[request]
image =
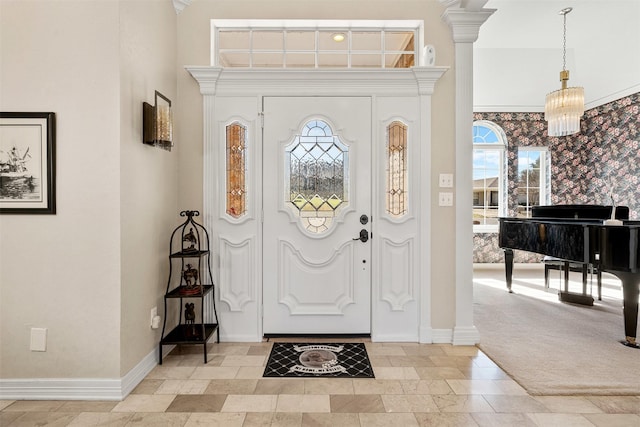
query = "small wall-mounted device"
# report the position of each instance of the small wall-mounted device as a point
(157, 123)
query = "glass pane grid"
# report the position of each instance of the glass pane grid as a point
(396, 49)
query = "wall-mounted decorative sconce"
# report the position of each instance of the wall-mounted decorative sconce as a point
(157, 123)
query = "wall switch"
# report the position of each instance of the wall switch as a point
(154, 314)
(445, 199)
(446, 180)
(38, 339)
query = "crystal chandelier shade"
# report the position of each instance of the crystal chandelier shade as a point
(563, 108)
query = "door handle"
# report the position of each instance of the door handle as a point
(364, 236)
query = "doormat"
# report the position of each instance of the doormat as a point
(348, 360)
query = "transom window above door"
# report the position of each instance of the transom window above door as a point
(316, 44)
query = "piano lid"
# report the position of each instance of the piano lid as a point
(579, 211)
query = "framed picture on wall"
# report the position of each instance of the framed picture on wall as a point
(27, 163)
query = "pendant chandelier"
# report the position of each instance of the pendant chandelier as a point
(563, 108)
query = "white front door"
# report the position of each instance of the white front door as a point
(316, 205)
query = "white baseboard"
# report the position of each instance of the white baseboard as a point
(467, 335)
(393, 338)
(441, 336)
(78, 388)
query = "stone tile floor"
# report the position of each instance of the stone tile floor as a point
(415, 385)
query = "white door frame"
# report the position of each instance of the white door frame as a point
(240, 292)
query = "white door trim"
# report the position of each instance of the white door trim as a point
(250, 86)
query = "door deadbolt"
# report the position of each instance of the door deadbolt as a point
(364, 219)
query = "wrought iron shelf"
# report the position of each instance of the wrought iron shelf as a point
(188, 334)
(189, 254)
(179, 292)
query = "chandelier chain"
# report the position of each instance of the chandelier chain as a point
(564, 43)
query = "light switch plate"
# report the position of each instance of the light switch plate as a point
(446, 180)
(445, 199)
(38, 339)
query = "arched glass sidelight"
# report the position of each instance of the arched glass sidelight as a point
(236, 147)
(396, 170)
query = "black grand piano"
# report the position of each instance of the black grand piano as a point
(576, 233)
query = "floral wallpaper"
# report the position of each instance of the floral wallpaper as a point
(605, 151)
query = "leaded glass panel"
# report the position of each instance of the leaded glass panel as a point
(396, 170)
(236, 169)
(316, 179)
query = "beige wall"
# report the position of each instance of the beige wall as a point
(91, 273)
(194, 49)
(149, 175)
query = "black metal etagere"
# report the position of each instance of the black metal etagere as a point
(189, 248)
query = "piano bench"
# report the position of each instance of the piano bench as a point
(551, 263)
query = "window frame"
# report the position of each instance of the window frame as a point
(501, 146)
(545, 176)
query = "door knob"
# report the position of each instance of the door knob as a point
(364, 236)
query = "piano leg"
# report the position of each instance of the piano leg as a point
(508, 267)
(630, 287)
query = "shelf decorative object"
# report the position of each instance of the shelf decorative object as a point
(189, 250)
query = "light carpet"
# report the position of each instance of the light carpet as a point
(554, 348)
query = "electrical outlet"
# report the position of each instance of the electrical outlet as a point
(154, 313)
(445, 199)
(446, 180)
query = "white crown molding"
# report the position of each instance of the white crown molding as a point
(390, 82)
(179, 5)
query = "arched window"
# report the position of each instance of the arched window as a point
(489, 175)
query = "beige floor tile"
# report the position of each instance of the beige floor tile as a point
(34, 406)
(568, 404)
(244, 361)
(303, 403)
(614, 420)
(197, 403)
(378, 349)
(446, 420)
(246, 403)
(171, 372)
(385, 420)
(216, 419)
(502, 403)
(426, 387)
(280, 386)
(87, 406)
(231, 387)
(462, 403)
(183, 387)
(273, 419)
(460, 362)
(330, 420)
(560, 420)
(462, 350)
(376, 386)
(509, 387)
(482, 361)
(250, 372)
(148, 386)
(212, 360)
(502, 420)
(409, 403)
(380, 360)
(475, 372)
(328, 386)
(164, 419)
(260, 350)
(410, 361)
(214, 373)
(7, 418)
(424, 350)
(440, 373)
(393, 373)
(144, 403)
(49, 419)
(111, 419)
(5, 403)
(356, 403)
(228, 349)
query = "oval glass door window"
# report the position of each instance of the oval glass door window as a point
(316, 176)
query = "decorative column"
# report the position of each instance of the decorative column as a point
(465, 23)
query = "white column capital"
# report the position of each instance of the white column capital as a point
(465, 25)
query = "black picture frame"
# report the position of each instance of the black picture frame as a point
(27, 163)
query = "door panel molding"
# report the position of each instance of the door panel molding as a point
(234, 259)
